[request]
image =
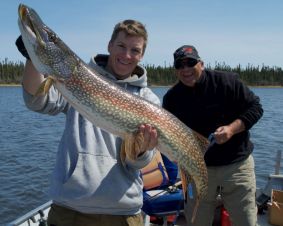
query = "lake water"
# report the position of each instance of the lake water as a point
(28, 145)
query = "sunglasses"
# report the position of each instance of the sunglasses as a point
(189, 63)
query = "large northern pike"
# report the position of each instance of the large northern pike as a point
(107, 105)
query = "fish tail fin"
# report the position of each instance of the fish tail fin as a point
(184, 180)
(195, 210)
(187, 188)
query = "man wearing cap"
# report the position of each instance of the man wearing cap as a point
(218, 105)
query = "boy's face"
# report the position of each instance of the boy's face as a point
(125, 53)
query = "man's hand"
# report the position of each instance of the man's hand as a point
(224, 133)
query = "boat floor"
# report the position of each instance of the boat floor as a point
(262, 220)
(33, 217)
(181, 221)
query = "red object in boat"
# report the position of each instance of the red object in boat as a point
(225, 220)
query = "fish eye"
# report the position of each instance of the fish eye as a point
(52, 37)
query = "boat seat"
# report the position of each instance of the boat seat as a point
(163, 203)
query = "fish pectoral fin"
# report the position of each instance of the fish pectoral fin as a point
(44, 86)
(123, 152)
(202, 141)
(138, 144)
(132, 145)
(127, 148)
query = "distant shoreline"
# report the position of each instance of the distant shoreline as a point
(153, 86)
(10, 85)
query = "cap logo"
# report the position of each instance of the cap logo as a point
(188, 50)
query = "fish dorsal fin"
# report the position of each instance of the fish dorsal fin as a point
(202, 141)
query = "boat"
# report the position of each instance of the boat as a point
(38, 216)
(35, 217)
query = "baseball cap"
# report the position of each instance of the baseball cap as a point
(186, 51)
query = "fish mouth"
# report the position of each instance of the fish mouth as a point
(32, 24)
(22, 11)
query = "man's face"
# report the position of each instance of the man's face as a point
(189, 72)
(125, 53)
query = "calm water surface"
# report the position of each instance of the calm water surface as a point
(28, 145)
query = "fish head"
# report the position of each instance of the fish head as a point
(49, 54)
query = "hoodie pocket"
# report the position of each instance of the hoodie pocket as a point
(99, 180)
(87, 175)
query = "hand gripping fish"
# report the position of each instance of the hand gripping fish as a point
(109, 106)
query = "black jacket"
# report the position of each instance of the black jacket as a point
(217, 99)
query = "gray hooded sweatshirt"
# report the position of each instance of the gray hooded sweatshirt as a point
(88, 175)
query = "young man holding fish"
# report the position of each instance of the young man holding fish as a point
(218, 105)
(91, 185)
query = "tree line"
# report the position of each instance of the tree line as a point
(251, 75)
(11, 73)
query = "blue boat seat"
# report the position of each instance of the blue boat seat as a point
(166, 200)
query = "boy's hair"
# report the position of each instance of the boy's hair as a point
(131, 28)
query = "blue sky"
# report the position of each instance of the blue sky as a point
(242, 31)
